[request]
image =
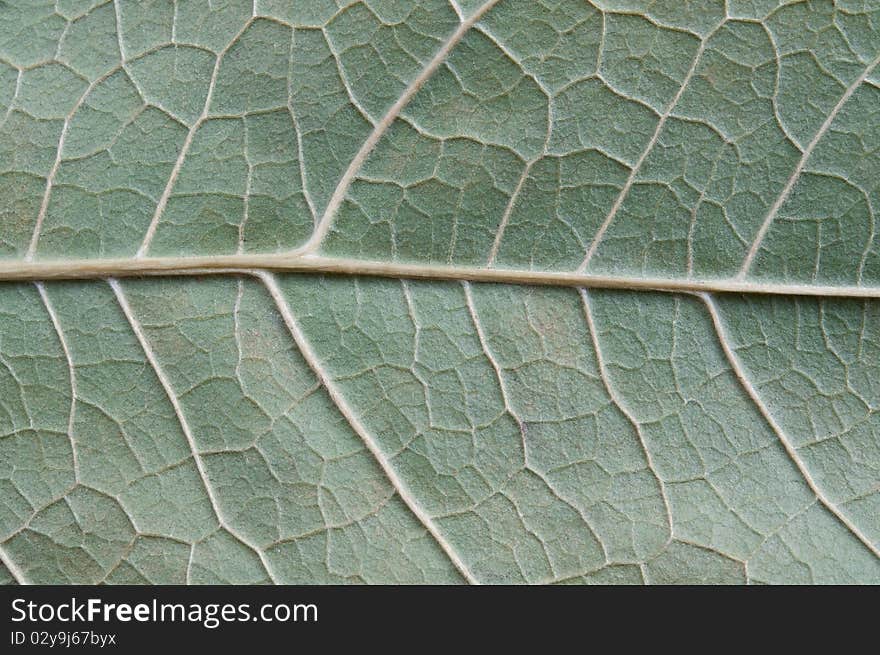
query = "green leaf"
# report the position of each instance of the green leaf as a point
(440, 291)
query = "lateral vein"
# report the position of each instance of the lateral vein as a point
(339, 401)
(623, 407)
(184, 424)
(799, 168)
(71, 416)
(508, 407)
(255, 264)
(749, 388)
(655, 138)
(382, 126)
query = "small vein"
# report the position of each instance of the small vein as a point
(749, 388)
(457, 9)
(338, 399)
(187, 143)
(349, 91)
(802, 162)
(774, 100)
(248, 184)
(502, 385)
(382, 126)
(189, 563)
(655, 137)
(56, 164)
(184, 424)
(299, 142)
(117, 10)
(508, 210)
(508, 406)
(56, 323)
(621, 405)
(514, 196)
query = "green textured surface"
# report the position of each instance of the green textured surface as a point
(305, 429)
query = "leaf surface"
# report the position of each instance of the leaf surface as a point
(458, 418)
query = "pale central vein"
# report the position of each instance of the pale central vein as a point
(314, 264)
